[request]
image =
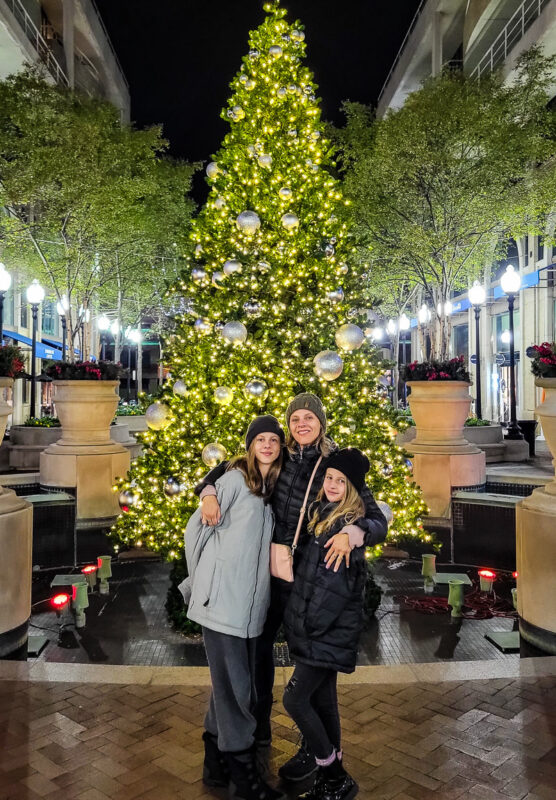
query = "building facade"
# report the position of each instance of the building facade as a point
(69, 39)
(479, 36)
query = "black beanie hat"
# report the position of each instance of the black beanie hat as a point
(264, 424)
(353, 463)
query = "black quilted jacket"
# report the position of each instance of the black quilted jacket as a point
(289, 492)
(324, 615)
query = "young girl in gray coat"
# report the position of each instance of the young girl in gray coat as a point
(229, 572)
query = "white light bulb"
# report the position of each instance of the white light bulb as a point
(35, 293)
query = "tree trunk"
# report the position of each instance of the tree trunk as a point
(396, 368)
(139, 371)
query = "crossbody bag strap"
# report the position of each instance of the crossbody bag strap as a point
(304, 506)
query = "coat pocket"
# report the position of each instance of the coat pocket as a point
(214, 585)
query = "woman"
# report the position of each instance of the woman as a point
(306, 443)
(229, 578)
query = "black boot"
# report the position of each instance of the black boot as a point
(335, 784)
(215, 767)
(300, 766)
(246, 782)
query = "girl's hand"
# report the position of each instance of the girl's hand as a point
(210, 510)
(339, 549)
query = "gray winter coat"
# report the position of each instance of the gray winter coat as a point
(229, 565)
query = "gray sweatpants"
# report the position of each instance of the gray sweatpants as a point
(232, 700)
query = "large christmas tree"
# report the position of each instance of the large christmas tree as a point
(270, 304)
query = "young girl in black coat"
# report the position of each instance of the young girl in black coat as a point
(323, 622)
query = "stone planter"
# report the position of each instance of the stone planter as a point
(489, 438)
(443, 459)
(440, 409)
(16, 546)
(86, 457)
(120, 433)
(27, 444)
(536, 543)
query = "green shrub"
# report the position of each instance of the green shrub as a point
(42, 422)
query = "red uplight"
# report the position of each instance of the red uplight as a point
(516, 574)
(60, 600)
(87, 570)
(487, 573)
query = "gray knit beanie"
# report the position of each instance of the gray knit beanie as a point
(312, 403)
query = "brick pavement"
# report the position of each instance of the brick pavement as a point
(491, 739)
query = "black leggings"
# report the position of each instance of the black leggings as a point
(311, 700)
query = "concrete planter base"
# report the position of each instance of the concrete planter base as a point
(27, 444)
(488, 438)
(120, 433)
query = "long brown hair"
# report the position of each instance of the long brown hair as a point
(247, 463)
(351, 507)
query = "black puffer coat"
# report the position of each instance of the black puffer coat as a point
(324, 615)
(289, 492)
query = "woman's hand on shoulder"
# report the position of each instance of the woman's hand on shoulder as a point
(210, 510)
(338, 547)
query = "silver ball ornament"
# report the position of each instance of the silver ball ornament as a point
(275, 51)
(234, 332)
(253, 54)
(223, 395)
(252, 308)
(248, 222)
(218, 327)
(173, 487)
(237, 113)
(263, 266)
(213, 170)
(250, 85)
(180, 388)
(292, 88)
(219, 203)
(213, 454)
(349, 337)
(286, 37)
(265, 161)
(217, 278)
(336, 295)
(328, 365)
(256, 389)
(285, 193)
(231, 266)
(290, 221)
(298, 36)
(343, 267)
(243, 78)
(157, 416)
(386, 510)
(127, 499)
(292, 133)
(198, 250)
(329, 250)
(282, 92)
(409, 464)
(198, 274)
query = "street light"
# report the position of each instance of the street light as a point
(391, 327)
(35, 296)
(477, 297)
(5, 283)
(424, 315)
(61, 307)
(103, 324)
(377, 334)
(511, 284)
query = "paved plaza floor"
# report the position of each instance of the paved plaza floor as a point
(483, 730)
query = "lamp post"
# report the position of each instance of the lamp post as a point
(511, 283)
(424, 317)
(61, 307)
(35, 296)
(5, 283)
(103, 324)
(477, 297)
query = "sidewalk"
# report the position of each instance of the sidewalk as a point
(485, 730)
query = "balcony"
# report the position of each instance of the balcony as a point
(37, 40)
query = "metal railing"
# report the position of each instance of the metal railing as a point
(402, 47)
(509, 36)
(103, 26)
(38, 41)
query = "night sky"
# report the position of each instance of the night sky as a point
(179, 57)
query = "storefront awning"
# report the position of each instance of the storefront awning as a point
(42, 350)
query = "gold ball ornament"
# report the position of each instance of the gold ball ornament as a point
(265, 161)
(223, 395)
(213, 454)
(180, 388)
(234, 332)
(298, 36)
(275, 51)
(285, 193)
(213, 170)
(158, 416)
(328, 365)
(290, 221)
(349, 337)
(231, 266)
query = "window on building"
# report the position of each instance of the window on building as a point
(501, 332)
(23, 315)
(9, 308)
(460, 340)
(526, 251)
(512, 257)
(540, 249)
(49, 317)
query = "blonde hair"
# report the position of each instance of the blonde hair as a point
(323, 443)
(351, 507)
(247, 464)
